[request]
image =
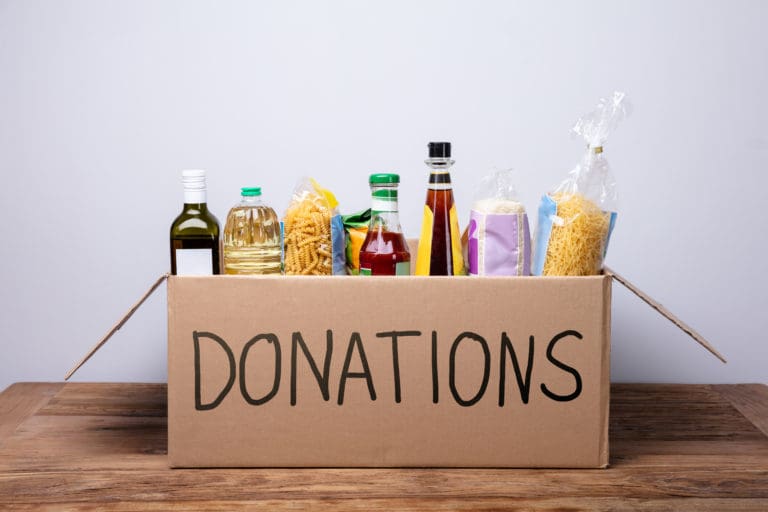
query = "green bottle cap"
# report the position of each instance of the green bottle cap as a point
(384, 179)
(250, 191)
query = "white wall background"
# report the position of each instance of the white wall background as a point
(103, 103)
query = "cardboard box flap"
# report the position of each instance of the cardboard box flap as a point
(117, 326)
(687, 329)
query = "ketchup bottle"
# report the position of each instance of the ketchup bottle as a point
(384, 251)
(440, 241)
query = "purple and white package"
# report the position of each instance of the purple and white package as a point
(499, 237)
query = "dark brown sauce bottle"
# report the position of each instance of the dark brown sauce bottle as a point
(440, 241)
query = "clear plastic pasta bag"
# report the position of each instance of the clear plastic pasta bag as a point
(499, 238)
(575, 221)
(314, 232)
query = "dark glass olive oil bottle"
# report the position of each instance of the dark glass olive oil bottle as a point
(195, 232)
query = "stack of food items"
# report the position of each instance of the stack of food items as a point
(575, 222)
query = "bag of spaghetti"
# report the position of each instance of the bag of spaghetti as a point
(314, 233)
(499, 239)
(576, 220)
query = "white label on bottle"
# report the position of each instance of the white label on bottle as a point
(194, 262)
(383, 205)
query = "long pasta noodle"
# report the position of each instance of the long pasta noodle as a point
(577, 240)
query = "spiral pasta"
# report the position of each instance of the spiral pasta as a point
(308, 236)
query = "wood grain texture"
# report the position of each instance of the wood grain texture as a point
(751, 400)
(432, 505)
(103, 446)
(398, 504)
(20, 401)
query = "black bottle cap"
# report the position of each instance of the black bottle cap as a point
(439, 149)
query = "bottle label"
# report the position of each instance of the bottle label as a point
(402, 268)
(424, 255)
(425, 243)
(440, 180)
(194, 262)
(379, 205)
(456, 249)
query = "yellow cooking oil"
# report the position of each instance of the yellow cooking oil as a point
(252, 242)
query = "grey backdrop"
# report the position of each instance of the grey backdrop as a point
(103, 103)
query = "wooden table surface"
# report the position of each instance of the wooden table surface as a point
(102, 447)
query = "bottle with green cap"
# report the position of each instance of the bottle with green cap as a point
(384, 251)
(252, 242)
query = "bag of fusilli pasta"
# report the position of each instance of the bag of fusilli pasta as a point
(576, 220)
(314, 233)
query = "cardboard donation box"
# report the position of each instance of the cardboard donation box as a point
(280, 371)
(414, 371)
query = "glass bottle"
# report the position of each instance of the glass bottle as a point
(252, 236)
(195, 232)
(384, 251)
(439, 252)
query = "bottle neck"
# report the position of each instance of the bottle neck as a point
(384, 211)
(439, 175)
(250, 200)
(194, 195)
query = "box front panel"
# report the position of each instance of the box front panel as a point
(494, 372)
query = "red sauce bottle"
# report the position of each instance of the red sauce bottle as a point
(384, 251)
